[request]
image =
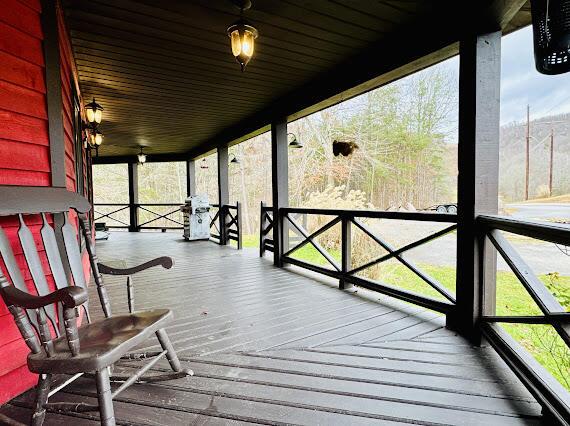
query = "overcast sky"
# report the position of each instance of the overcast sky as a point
(521, 84)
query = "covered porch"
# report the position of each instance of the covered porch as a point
(271, 337)
(273, 345)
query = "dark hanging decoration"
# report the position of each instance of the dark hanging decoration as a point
(551, 29)
(343, 148)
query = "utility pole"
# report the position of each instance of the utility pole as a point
(527, 159)
(551, 168)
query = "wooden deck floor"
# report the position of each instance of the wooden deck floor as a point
(274, 346)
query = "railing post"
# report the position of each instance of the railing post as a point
(133, 197)
(223, 192)
(478, 164)
(346, 249)
(238, 225)
(280, 187)
(261, 228)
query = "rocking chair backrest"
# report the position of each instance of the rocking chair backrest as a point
(38, 206)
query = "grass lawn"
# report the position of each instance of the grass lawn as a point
(541, 341)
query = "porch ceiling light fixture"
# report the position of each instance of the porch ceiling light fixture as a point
(94, 113)
(235, 160)
(203, 164)
(141, 157)
(94, 139)
(242, 35)
(293, 142)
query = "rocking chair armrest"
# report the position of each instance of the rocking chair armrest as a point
(70, 297)
(164, 261)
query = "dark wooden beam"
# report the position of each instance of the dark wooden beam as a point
(280, 186)
(151, 158)
(223, 191)
(478, 163)
(190, 177)
(50, 29)
(133, 197)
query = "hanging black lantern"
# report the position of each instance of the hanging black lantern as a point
(242, 36)
(551, 30)
(94, 113)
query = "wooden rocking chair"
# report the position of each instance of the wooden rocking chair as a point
(48, 321)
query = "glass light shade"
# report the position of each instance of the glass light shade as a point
(242, 37)
(247, 44)
(236, 42)
(94, 112)
(90, 115)
(142, 158)
(98, 139)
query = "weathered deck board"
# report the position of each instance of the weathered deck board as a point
(278, 346)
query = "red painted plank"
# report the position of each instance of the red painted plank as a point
(20, 16)
(21, 44)
(24, 177)
(23, 128)
(13, 353)
(22, 73)
(16, 382)
(24, 156)
(24, 101)
(33, 4)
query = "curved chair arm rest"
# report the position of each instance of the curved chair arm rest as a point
(164, 261)
(70, 297)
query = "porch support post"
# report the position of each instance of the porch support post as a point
(50, 30)
(280, 187)
(133, 197)
(190, 178)
(223, 191)
(478, 163)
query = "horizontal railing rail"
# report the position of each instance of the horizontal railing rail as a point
(548, 391)
(123, 222)
(170, 222)
(344, 272)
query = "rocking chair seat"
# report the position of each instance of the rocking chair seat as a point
(102, 343)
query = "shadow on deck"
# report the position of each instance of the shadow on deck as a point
(275, 346)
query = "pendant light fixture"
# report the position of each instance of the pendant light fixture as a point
(242, 35)
(234, 160)
(141, 157)
(203, 164)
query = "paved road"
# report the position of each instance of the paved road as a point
(540, 211)
(542, 257)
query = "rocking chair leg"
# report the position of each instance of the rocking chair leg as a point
(105, 399)
(42, 393)
(171, 353)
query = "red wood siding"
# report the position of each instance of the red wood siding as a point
(25, 152)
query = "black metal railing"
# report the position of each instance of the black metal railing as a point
(265, 229)
(344, 271)
(215, 233)
(548, 391)
(116, 213)
(161, 216)
(225, 224)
